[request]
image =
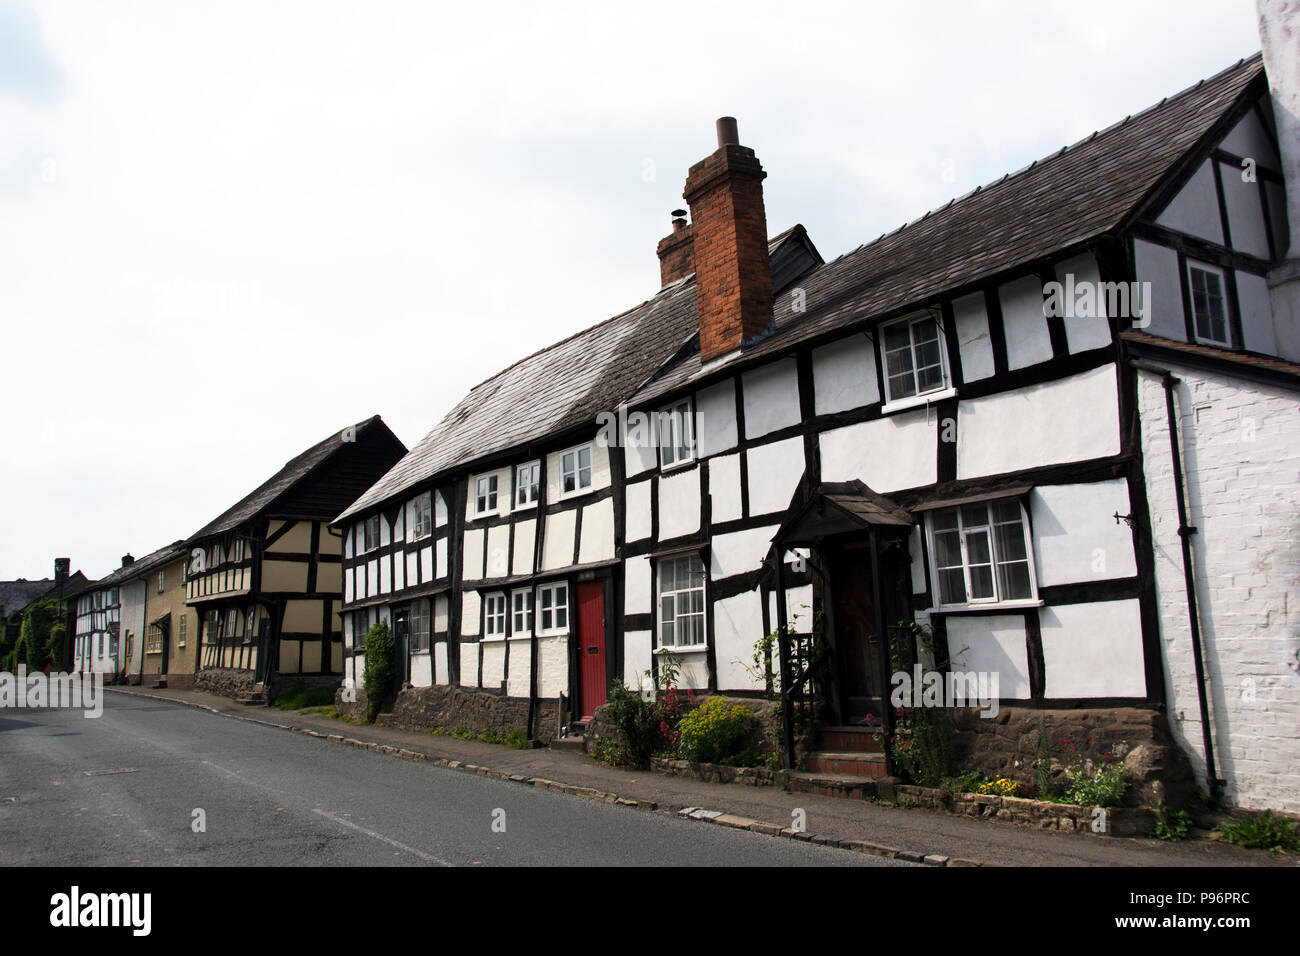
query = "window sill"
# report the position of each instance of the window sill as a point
(683, 649)
(494, 639)
(576, 494)
(677, 465)
(563, 633)
(917, 401)
(990, 606)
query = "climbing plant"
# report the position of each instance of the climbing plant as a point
(380, 669)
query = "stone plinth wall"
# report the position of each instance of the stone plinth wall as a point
(1008, 745)
(1041, 814)
(449, 708)
(714, 772)
(227, 682)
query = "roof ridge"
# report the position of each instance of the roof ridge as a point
(1057, 154)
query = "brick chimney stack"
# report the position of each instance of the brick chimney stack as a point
(733, 276)
(62, 568)
(677, 251)
(127, 560)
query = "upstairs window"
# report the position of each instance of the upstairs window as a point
(486, 495)
(422, 516)
(981, 553)
(575, 470)
(160, 581)
(419, 626)
(521, 613)
(527, 484)
(681, 602)
(912, 355)
(676, 435)
(367, 535)
(1209, 311)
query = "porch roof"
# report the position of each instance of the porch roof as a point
(837, 507)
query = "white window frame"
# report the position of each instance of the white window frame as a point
(996, 600)
(486, 503)
(556, 609)
(495, 614)
(181, 628)
(422, 520)
(943, 390)
(523, 608)
(161, 579)
(360, 628)
(668, 443)
(1220, 275)
(578, 487)
(416, 611)
(676, 593)
(528, 479)
(363, 544)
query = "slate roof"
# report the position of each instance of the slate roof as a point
(279, 484)
(566, 384)
(1078, 193)
(16, 595)
(141, 566)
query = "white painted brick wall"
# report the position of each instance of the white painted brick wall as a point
(1241, 456)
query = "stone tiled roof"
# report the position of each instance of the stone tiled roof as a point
(1077, 194)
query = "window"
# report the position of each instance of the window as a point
(981, 553)
(912, 357)
(521, 613)
(681, 602)
(360, 628)
(676, 435)
(180, 631)
(251, 627)
(153, 641)
(160, 581)
(1209, 313)
(367, 535)
(232, 622)
(575, 470)
(422, 515)
(486, 497)
(527, 480)
(553, 609)
(419, 626)
(494, 615)
(239, 549)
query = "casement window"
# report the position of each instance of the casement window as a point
(681, 602)
(161, 579)
(575, 470)
(494, 615)
(367, 535)
(912, 354)
(419, 624)
(527, 481)
(422, 516)
(181, 627)
(1209, 304)
(360, 628)
(153, 640)
(553, 609)
(239, 549)
(232, 623)
(981, 554)
(485, 499)
(521, 613)
(676, 435)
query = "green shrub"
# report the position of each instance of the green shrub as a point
(1261, 832)
(1170, 824)
(301, 697)
(715, 732)
(380, 669)
(1104, 786)
(54, 647)
(635, 724)
(922, 749)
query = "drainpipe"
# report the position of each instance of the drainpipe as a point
(1185, 532)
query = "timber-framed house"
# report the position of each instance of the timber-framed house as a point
(264, 577)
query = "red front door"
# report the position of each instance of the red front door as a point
(591, 645)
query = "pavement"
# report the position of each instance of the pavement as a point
(905, 834)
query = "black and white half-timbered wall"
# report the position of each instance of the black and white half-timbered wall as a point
(947, 425)
(265, 578)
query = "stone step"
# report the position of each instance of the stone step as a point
(578, 744)
(857, 739)
(836, 785)
(847, 763)
(160, 684)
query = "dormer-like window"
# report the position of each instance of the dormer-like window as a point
(485, 500)
(422, 515)
(575, 470)
(527, 481)
(1209, 311)
(676, 435)
(912, 356)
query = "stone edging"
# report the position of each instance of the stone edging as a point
(714, 772)
(1042, 814)
(719, 817)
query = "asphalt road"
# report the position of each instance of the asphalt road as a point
(128, 787)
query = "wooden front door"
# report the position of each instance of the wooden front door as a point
(401, 647)
(857, 643)
(591, 645)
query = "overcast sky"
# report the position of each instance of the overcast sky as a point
(229, 229)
